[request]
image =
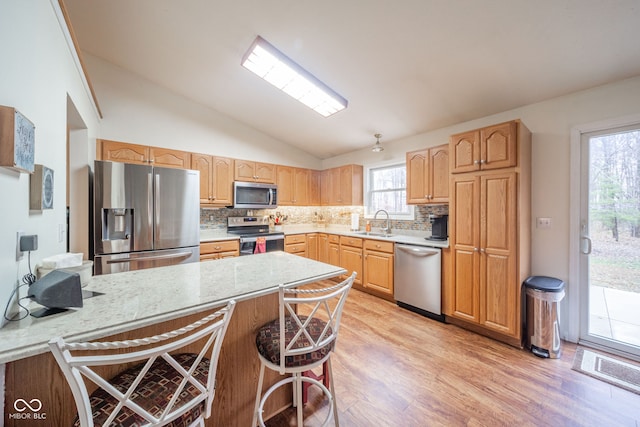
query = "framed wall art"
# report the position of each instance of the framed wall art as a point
(17, 140)
(41, 191)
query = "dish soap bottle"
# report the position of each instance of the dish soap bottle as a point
(368, 227)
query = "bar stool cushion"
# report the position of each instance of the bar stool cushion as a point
(268, 341)
(152, 393)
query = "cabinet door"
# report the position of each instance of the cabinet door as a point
(499, 286)
(351, 260)
(378, 272)
(326, 188)
(244, 171)
(122, 152)
(323, 248)
(301, 186)
(439, 174)
(284, 179)
(265, 172)
(222, 181)
(498, 146)
(334, 254)
(315, 181)
(170, 158)
(204, 164)
(335, 197)
(417, 165)
(464, 221)
(312, 246)
(464, 150)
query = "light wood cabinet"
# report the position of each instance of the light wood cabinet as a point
(492, 147)
(168, 158)
(343, 186)
(216, 179)
(315, 188)
(378, 268)
(351, 257)
(490, 237)
(312, 246)
(246, 170)
(116, 151)
(334, 249)
(428, 175)
(293, 186)
(219, 249)
(323, 248)
(296, 244)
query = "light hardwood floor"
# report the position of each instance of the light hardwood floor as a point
(396, 368)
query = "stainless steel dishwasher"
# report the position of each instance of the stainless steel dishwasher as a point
(417, 285)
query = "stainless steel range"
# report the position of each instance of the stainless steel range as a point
(252, 229)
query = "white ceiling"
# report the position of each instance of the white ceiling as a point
(406, 66)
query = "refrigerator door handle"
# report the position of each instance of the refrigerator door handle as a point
(150, 208)
(184, 255)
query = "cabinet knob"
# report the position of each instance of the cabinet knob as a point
(482, 161)
(482, 250)
(475, 249)
(475, 162)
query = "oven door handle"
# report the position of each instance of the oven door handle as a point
(254, 239)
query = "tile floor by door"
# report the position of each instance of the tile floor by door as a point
(615, 314)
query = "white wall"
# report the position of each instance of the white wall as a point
(37, 76)
(138, 111)
(551, 123)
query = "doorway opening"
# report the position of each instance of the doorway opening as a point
(610, 239)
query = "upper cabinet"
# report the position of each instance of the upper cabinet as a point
(428, 176)
(493, 147)
(116, 151)
(293, 186)
(246, 170)
(343, 186)
(216, 179)
(315, 185)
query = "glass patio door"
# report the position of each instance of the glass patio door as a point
(610, 239)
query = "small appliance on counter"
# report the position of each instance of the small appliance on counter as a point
(439, 227)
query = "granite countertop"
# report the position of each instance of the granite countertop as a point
(139, 298)
(398, 236)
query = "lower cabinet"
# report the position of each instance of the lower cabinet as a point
(333, 250)
(220, 249)
(351, 258)
(378, 268)
(296, 244)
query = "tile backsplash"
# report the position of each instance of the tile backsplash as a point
(216, 219)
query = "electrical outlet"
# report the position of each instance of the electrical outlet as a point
(19, 253)
(544, 223)
(62, 228)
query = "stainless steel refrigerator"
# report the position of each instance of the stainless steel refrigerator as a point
(144, 216)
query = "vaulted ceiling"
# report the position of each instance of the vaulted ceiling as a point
(405, 66)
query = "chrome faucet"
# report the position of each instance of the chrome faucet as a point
(387, 229)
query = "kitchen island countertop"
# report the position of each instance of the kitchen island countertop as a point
(139, 298)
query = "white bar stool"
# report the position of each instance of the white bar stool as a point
(167, 388)
(302, 338)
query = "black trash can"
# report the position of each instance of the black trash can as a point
(542, 328)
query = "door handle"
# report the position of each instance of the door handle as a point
(587, 240)
(149, 258)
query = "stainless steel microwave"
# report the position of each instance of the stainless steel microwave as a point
(254, 195)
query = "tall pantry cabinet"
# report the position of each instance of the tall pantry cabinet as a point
(490, 228)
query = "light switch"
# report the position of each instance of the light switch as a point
(543, 223)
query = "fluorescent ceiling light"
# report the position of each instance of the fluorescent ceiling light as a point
(278, 69)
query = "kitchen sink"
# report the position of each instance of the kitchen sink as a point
(373, 234)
